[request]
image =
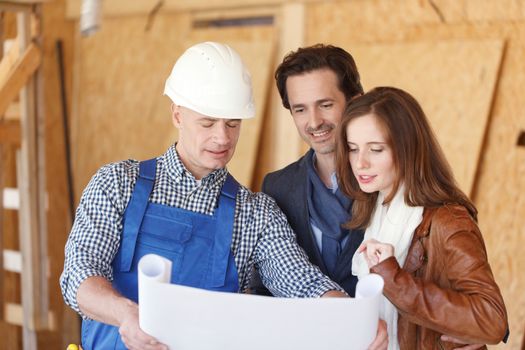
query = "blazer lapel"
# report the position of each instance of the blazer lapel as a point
(305, 235)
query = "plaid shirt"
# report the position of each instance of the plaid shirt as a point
(261, 234)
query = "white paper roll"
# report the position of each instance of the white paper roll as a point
(153, 267)
(369, 286)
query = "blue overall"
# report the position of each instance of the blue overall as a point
(197, 244)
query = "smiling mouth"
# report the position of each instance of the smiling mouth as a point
(366, 178)
(321, 133)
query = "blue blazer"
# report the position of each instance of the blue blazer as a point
(288, 187)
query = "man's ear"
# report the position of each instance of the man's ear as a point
(176, 115)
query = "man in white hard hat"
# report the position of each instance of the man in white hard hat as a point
(185, 206)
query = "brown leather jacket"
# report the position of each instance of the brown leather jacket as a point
(446, 285)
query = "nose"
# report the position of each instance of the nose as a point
(362, 161)
(314, 119)
(221, 135)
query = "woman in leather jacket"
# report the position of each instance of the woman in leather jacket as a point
(421, 232)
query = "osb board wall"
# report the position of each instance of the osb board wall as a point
(120, 111)
(500, 184)
(471, 69)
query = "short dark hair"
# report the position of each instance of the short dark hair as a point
(319, 56)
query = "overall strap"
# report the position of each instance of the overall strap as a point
(223, 237)
(135, 211)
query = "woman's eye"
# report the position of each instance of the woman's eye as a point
(327, 105)
(352, 150)
(377, 150)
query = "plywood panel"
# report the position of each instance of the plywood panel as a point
(442, 76)
(500, 191)
(364, 19)
(256, 47)
(500, 184)
(120, 111)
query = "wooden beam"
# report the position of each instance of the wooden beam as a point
(30, 179)
(10, 198)
(12, 260)
(14, 314)
(10, 132)
(26, 2)
(2, 229)
(9, 60)
(114, 8)
(15, 6)
(288, 145)
(18, 76)
(13, 112)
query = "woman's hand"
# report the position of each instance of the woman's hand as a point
(375, 251)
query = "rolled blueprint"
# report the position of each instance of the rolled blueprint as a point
(187, 318)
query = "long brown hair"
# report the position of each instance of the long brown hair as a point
(419, 161)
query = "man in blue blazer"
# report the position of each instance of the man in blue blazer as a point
(315, 84)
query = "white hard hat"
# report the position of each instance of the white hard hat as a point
(210, 78)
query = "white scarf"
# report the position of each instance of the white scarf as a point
(395, 224)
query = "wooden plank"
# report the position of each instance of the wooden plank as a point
(28, 2)
(41, 257)
(113, 8)
(32, 234)
(2, 211)
(281, 144)
(19, 75)
(14, 314)
(10, 282)
(13, 6)
(12, 260)
(13, 112)
(55, 27)
(9, 59)
(292, 24)
(241, 12)
(10, 198)
(10, 132)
